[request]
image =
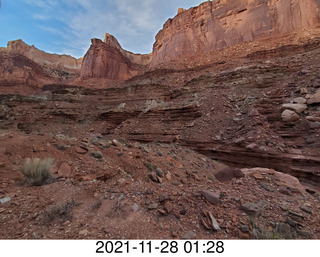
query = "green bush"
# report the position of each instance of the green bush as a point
(37, 171)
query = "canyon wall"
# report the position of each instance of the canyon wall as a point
(106, 59)
(217, 24)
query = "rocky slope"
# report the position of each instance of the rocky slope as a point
(217, 24)
(258, 109)
(108, 60)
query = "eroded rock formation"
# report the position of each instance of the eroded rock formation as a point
(65, 62)
(24, 68)
(217, 24)
(106, 59)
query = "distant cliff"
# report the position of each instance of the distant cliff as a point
(66, 62)
(24, 68)
(108, 60)
(217, 24)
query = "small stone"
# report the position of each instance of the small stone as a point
(267, 187)
(81, 150)
(64, 170)
(252, 147)
(162, 212)
(174, 234)
(97, 155)
(211, 197)
(298, 108)
(315, 99)
(243, 235)
(284, 190)
(66, 223)
(304, 90)
(153, 176)
(292, 222)
(284, 231)
(304, 233)
(153, 206)
(189, 235)
(297, 214)
(258, 176)
(306, 209)
(298, 100)
(239, 140)
(135, 207)
(313, 119)
(289, 116)
(159, 172)
(244, 228)
(5, 200)
(314, 125)
(254, 209)
(168, 176)
(115, 142)
(168, 207)
(163, 197)
(214, 222)
(83, 232)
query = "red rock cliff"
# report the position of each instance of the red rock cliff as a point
(217, 24)
(64, 62)
(108, 60)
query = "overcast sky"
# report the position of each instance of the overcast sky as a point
(66, 26)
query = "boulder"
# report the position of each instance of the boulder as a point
(315, 99)
(298, 108)
(228, 174)
(289, 116)
(211, 197)
(298, 100)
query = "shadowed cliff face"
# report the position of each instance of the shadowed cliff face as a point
(217, 24)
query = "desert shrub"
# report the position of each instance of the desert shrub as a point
(37, 171)
(61, 212)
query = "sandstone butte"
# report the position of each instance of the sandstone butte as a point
(108, 60)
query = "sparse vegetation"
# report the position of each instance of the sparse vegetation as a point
(37, 171)
(61, 212)
(150, 166)
(98, 155)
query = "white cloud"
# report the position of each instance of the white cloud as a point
(133, 22)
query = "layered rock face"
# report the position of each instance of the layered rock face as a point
(24, 68)
(56, 61)
(108, 60)
(217, 24)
